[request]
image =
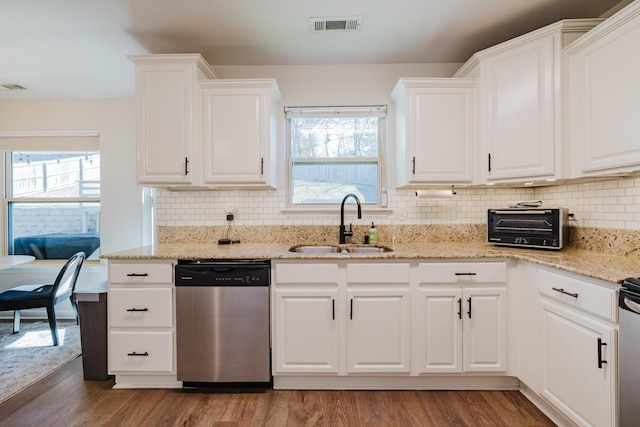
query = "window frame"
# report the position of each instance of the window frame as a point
(40, 141)
(379, 111)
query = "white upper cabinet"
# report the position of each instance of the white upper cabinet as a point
(169, 117)
(521, 103)
(435, 130)
(604, 96)
(239, 132)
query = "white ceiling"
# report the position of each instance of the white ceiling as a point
(78, 48)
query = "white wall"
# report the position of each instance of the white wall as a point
(121, 208)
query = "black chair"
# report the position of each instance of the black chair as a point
(37, 296)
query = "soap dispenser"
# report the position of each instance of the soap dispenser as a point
(373, 234)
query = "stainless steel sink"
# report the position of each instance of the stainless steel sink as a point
(328, 249)
(315, 249)
(368, 249)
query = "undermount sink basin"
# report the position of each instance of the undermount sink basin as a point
(368, 249)
(313, 249)
(328, 249)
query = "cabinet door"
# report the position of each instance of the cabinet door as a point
(517, 118)
(437, 134)
(305, 331)
(485, 329)
(440, 330)
(579, 366)
(238, 133)
(604, 96)
(378, 324)
(165, 128)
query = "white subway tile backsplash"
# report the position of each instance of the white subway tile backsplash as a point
(605, 204)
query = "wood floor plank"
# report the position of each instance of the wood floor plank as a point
(65, 399)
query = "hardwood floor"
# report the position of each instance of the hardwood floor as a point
(65, 399)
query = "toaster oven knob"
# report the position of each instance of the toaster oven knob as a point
(520, 241)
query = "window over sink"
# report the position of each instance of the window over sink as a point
(334, 151)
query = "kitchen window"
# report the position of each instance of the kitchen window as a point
(334, 151)
(51, 193)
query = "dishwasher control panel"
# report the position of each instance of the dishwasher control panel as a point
(223, 273)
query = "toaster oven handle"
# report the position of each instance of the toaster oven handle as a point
(521, 212)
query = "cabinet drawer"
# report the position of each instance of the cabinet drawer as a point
(306, 273)
(590, 297)
(462, 272)
(378, 273)
(139, 308)
(140, 273)
(141, 351)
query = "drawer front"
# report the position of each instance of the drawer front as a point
(462, 272)
(378, 273)
(141, 308)
(590, 297)
(141, 273)
(141, 351)
(306, 273)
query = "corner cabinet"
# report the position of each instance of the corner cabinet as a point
(239, 139)
(141, 323)
(435, 130)
(604, 96)
(521, 132)
(168, 117)
(579, 351)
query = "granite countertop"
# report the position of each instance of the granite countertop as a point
(599, 265)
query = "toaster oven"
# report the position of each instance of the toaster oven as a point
(542, 228)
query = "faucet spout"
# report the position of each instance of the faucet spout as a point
(343, 233)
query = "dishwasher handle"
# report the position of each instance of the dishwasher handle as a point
(629, 301)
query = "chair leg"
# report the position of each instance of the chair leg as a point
(16, 321)
(51, 314)
(75, 309)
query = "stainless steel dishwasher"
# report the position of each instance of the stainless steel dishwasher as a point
(629, 349)
(222, 322)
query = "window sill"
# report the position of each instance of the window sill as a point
(335, 211)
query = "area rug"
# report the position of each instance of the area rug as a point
(30, 356)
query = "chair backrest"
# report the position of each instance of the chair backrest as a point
(66, 281)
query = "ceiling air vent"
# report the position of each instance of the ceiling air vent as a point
(325, 24)
(12, 87)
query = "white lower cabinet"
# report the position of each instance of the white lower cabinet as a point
(305, 331)
(579, 351)
(141, 322)
(378, 331)
(325, 313)
(462, 329)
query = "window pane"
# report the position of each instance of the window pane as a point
(336, 137)
(55, 174)
(330, 182)
(54, 230)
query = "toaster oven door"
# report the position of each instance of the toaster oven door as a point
(525, 227)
